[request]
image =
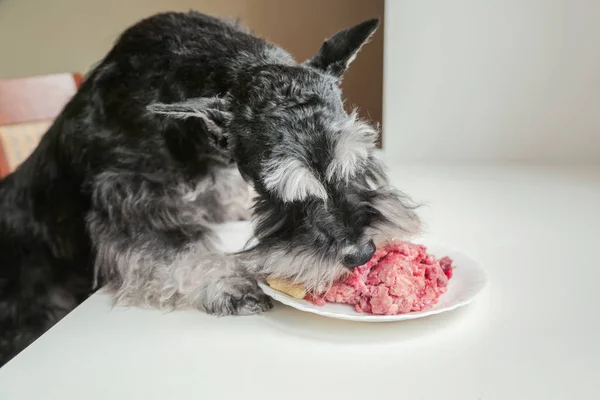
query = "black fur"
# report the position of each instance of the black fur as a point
(125, 186)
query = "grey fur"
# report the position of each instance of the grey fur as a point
(145, 272)
(352, 147)
(311, 151)
(187, 123)
(291, 179)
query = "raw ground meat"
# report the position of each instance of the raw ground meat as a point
(400, 278)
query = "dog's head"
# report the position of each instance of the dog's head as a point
(323, 201)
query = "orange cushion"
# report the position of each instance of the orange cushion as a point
(17, 142)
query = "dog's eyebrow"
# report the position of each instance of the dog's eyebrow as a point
(352, 144)
(291, 179)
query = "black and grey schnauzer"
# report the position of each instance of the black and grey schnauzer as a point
(188, 122)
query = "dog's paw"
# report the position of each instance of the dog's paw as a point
(240, 297)
(250, 303)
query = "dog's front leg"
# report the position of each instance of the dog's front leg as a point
(154, 249)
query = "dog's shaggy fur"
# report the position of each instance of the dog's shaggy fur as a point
(168, 136)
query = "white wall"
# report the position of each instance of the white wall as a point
(492, 80)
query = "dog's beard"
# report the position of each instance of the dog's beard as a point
(397, 218)
(305, 259)
(317, 267)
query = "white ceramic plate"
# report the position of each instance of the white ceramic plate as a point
(468, 281)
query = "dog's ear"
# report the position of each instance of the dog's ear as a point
(341, 49)
(211, 110)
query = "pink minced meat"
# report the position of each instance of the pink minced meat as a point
(400, 278)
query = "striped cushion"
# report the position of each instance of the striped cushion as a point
(18, 141)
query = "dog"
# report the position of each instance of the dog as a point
(188, 122)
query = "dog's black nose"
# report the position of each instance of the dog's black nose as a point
(361, 257)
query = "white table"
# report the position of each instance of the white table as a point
(533, 334)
